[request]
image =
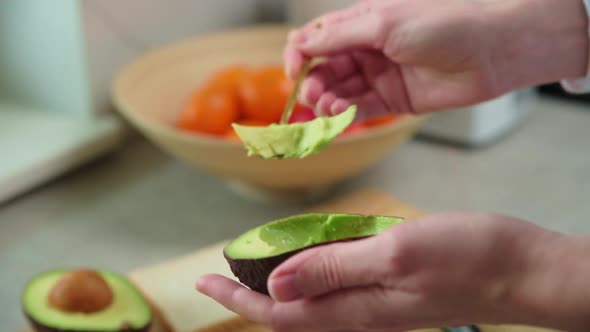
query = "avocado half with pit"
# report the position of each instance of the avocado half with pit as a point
(255, 254)
(85, 300)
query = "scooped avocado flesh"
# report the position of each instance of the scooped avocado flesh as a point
(128, 310)
(297, 140)
(301, 231)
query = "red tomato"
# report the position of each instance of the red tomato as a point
(228, 78)
(232, 135)
(355, 128)
(301, 113)
(381, 120)
(264, 92)
(210, 111)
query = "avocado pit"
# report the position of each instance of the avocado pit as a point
(82, 300)
(83, 291)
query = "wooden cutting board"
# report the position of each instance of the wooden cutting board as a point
(170, 285)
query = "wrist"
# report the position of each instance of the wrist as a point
(537, 41)
(552, 287)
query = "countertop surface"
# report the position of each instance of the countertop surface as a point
(138, 206)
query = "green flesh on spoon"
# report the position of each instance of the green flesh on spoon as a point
(297, 140)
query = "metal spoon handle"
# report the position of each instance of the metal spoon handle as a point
(293, 97)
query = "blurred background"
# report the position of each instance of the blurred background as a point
(89, 177)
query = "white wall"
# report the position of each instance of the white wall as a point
(63, 54)
(41, 59)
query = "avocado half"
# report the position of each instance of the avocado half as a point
(253, 255)
(127, 309)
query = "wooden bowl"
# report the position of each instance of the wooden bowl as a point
(151, 90)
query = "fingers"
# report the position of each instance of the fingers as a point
(334, 69)
(386, 80)
(353, 91)
(329, 268)
(371, 103)
(327, 19)
(363, 78)
(340, 37)
(337, 99)
(334, 85)
(235, 297)
(325, 76)
(350, 309)
(341, 105)
(293, 61)
(332, 34)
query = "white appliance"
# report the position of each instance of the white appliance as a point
(483, 124)
(57, 60)
(479, 125)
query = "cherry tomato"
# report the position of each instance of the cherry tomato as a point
(210, 110)
(231, 133)
(381, 120)
(254, 122)
(355, 128)
(264, 92)
(228, 78)
(301, 113)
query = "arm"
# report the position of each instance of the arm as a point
(437, 55)
(445, 269)
(554, 291)
(580, 85)
(539, 41)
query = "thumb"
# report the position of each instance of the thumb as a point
(335, 37)
(329, 268)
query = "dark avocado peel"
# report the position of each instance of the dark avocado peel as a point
(85, 301)
(253, 255)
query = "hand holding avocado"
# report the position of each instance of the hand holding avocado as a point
(417, 56)
(256, 253)
(443, 269)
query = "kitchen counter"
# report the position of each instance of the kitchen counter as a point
(138, 206)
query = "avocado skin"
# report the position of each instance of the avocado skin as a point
(38, 327)
(254, 273)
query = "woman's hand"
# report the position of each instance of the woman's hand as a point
(423, 55)
(440, 270)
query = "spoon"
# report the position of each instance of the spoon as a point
(293, 97)
(297, 140)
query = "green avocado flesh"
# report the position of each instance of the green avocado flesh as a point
(297, 140)
(306, 230)
(128, 311)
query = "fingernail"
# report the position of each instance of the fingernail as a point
(312, 90)
(339, 106)
(200, 285)
(319, 112)
(284, 288)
